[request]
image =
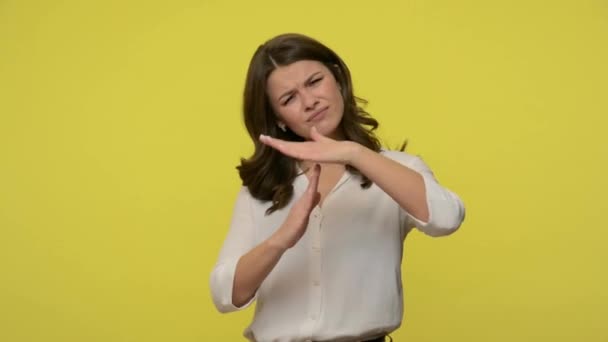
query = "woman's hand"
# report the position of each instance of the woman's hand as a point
(320, 149)
(297, 220)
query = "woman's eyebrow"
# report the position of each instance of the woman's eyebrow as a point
(312, 76)
(289, 92)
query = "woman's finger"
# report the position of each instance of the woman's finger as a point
(316, 173)
(316, 136)
(268, 140)
(282, 146)
(321, 150)
(313, 186)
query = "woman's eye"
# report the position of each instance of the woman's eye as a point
(288, 100)
(316, 80)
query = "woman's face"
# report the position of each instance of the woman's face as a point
(306, 94)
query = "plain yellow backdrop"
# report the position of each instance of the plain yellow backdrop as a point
(120, 130)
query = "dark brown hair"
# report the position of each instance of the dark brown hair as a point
(268, 174)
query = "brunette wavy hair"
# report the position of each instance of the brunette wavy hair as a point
(268, 174)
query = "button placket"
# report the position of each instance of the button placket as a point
(315, 266)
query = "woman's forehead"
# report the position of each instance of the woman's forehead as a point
(287, 76)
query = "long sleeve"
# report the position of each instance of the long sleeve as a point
(240, 240)
(446, 209)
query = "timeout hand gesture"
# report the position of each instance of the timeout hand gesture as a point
(319, 149)
(295, 225)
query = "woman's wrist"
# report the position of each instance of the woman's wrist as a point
(354, 154)
(275, 243)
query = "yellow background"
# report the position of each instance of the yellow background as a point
(120, 129)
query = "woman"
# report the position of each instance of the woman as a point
(318, 226)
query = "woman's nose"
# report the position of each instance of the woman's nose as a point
(309, 100)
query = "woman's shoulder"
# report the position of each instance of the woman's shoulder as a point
(244, 194)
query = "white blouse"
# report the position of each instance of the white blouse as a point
(342, 280)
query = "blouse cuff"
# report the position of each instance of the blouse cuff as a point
(222, 286)
(446, 210)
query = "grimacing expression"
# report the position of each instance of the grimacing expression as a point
(304, 94)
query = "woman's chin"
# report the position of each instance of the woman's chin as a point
(332, 132)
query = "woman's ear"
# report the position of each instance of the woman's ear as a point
(282, 126)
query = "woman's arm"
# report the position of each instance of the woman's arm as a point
(434, 209)
(251, 270)
(403, 184)
(243, 279)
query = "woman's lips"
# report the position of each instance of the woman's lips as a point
(318, 115)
